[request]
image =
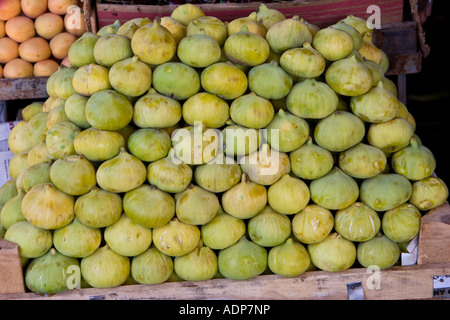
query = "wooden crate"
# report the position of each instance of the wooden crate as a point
(396, 283)
(320, 12)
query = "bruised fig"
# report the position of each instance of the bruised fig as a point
(245, 200)
(362, 161)
(151, 267)
(391, 135)
(349, 77)
(60, 139)
(358, 222)
(243, 260)
(313, 224)
(333, 254)
(289, 259)
(385, 191)
(176, 238)
(429, 193)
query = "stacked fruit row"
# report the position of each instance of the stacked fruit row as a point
(35, 36)
(187, 148)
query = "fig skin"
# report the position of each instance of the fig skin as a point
(243, 260)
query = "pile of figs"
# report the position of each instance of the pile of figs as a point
(189, 148)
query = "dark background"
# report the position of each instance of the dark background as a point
(428, 92)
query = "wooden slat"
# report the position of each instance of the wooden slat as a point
(321, 12)
(397, 283)
(434, 237)
(11, 275)
(23, 88)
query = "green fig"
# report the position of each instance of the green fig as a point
(243, 260)
(50, 273)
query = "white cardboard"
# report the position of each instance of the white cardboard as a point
(5, 130)
(410, 258)
(5, 158)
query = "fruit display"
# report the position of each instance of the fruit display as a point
(35, 36)
(189, 148)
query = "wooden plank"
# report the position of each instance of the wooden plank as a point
(396, 283)
(23, 88)
(11, 275)
(320, 12)
(434, 236)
